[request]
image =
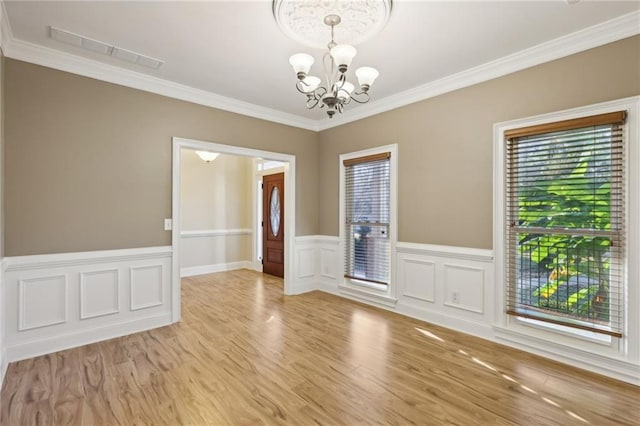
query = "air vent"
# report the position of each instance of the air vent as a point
(104, 48)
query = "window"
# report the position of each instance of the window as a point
(565, 222)
(367, 213)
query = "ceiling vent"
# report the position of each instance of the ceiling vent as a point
(104, 48)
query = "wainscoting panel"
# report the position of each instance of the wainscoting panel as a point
(99, 293)
(419, 278)
(146, 286)
(464, 287)
(58, 301)
(42, 301)
(306, 263)
(448, 286)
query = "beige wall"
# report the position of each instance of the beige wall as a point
(89, 163)
(446, 143)
(215, 196)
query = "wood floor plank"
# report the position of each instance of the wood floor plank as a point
(245, 354)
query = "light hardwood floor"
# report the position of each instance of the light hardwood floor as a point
(246, 355)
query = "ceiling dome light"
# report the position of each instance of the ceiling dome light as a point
(207, 156)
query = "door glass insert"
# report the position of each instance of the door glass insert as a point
(274, 211)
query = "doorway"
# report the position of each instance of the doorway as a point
(287, 208)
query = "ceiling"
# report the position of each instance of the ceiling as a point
(234, 49)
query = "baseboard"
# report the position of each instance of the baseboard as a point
(84, 337)
(304, 287)
(607, 366)
(3, 368)
(462, 325)
(218, 267)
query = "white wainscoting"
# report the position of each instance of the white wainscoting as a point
(58, 301)
(305, 264)
(448, 286)
(215, 250)
(3, 350)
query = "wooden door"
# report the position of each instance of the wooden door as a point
(273, 224)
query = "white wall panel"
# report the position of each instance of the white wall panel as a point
(464, 287)
(42, 301)
(418, 278)
(99, 293)
(146, 286)
(306, 263)
(328, 262)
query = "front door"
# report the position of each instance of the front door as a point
(273, 224)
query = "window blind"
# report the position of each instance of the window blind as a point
(367, 216)
(565, 204)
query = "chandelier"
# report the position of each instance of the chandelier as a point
(337, 91)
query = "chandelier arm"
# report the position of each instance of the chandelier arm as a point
(312, 102)
(364, 97)
(299, 85)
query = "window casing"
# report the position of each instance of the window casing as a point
(565, 222)
(367, 214)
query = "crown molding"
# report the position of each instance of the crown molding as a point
(606, 32)
(52, 58)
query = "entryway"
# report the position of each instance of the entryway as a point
(278, 215)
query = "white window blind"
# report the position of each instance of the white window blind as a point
(565, 204)
(367, 216)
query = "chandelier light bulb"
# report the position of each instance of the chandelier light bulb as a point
(342, 55)
(345, 91)
(310, 83)
(301, 63)
(366, 77)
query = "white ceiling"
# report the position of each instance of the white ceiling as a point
(235, 49)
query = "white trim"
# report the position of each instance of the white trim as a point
(568, 348)
(588, 38)
(178, 144)
(132, 287)
(360, 295)
(390, 293)
(56, 59)
(447, 267)
(605, 32)
(22, 303)
(3, 346)
(465, 253)
(448, 320)
(618, 368)
(215, 233)
(191, 271)
(40, 261)
(73, 339)
(83, 294)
